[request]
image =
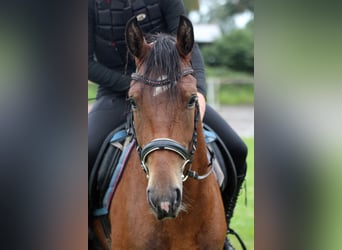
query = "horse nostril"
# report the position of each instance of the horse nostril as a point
(166, 204)
(150, 200)
(178, 198)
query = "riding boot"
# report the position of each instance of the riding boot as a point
(227, 245)
(230, 203)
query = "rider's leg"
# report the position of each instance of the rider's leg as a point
(107, 113)
(238, 151)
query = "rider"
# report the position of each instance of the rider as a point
(110, 66)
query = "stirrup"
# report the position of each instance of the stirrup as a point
(231, 231)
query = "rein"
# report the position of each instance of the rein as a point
(166, 143)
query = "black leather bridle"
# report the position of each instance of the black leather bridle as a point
(166, 143)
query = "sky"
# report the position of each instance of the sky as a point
(240, 19)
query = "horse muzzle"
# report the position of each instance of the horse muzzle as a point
(167, 205)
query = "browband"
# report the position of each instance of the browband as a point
(162, 82)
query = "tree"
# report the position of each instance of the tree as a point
(191, 5)
(234, 50)
(236, 7)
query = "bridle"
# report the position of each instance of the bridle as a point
(167, 143)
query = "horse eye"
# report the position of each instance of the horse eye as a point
(192, 101)
(133, 103)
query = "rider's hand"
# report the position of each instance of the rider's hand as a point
(201, 102)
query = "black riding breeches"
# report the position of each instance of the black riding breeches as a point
(236, 147)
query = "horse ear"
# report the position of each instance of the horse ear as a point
(185, 36)
(135, 38)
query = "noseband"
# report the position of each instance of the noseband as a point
(166, 143)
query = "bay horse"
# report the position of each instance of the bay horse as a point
(173, 202)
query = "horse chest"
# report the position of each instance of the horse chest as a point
(177, 234)
(176, 241)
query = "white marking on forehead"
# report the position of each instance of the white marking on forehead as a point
(161, 78)
(161, 89)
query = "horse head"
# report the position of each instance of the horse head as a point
(163, 97)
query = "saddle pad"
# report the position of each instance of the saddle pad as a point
(114, 180)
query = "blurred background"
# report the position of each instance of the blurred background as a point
(224, 30)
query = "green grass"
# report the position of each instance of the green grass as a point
(228, 75)
(236, 94)
(92, 89)
(243, 219)
(231, 87)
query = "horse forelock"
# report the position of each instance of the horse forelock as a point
(163, 60)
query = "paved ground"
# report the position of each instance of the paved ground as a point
(240, 118)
